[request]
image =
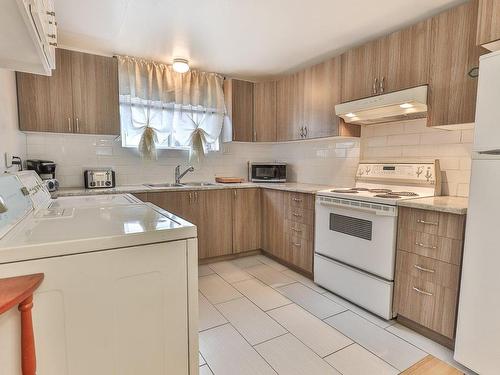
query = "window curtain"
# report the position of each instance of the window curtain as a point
(162, 108)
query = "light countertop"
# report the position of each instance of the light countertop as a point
(287, 186)
(452, 205)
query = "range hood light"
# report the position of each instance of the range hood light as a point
(350, 115)
(406, 105)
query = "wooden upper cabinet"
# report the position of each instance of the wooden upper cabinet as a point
(322, 92)
(290, 107)
(246, 220)
(264, 111)
(360, 68)
(488, 30)
(404, 58)
(45, 103)
(81, 96)
(95, 94)
(239, 104)
(452, 92)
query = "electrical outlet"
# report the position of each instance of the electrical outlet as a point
(8, 160)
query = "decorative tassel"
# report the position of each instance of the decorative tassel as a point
(147, 144)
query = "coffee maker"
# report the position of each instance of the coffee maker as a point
(46, 169)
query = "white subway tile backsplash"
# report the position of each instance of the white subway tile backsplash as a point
(403, 139)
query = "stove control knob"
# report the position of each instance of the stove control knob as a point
(361, 172)
(428, 175)
(420, 170)
(367, 170)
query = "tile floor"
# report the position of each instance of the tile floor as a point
(259, 317)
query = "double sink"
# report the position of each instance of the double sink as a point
(186, 184)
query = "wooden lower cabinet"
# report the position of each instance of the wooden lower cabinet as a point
(273, 236)
(429, 253)
(246, 220)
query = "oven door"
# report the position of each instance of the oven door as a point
(361, 237)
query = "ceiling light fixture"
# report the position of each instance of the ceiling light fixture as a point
(406, 105)
(180, 65)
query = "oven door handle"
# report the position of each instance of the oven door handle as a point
(362, 209)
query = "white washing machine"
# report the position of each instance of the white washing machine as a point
(120, 290)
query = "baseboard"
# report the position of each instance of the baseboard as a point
(424, 331)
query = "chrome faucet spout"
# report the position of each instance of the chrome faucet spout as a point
(179, 175)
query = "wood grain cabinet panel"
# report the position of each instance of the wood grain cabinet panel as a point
(239, 104)
(299, 200)
(95, 94)
(179, 203)
(299, 252)
(273, 222)
(45, 103)
(404, 57)
(246, 220)
(360, 67)
(432, 222)
(264, 111)
(452, 92)
(290, 107)
(488, 29)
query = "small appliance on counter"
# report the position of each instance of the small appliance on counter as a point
(267, 172)
(46, 169)
(99, 178)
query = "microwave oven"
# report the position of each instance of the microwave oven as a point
(267, 172)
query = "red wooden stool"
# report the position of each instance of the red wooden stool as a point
(19, 291)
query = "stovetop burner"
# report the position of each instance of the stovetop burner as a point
(388, 196)
(405, 193)
(380, 191)
(350, 191)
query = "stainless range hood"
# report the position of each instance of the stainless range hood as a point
(395, 106)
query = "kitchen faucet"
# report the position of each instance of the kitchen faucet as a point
(179, 175)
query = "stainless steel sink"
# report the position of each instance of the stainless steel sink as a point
(163, 185)
(198, 184)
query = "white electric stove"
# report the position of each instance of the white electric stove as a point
(120, 284)
(356, 228)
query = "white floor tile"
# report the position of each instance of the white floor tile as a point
(245, 262)
(269, 276)
(205, 370)
(315, 303)
(209, 316)
(356, 360)
(271, 263)
(230, 272)
(216, 289)
(227, 353)
(288, 356)
(427, 345)
(204, 270)
(387, 346)
(262, 295)
(201, 360)
(250, 321)
(304, 280)
(360, 311)
(316, 334)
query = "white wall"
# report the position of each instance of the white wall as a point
(327, 161)
(11, 139)
(412, 140)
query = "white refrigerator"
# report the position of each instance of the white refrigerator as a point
(478, 327)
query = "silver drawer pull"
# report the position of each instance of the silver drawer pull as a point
(425, 246)
(427, 222)
(296, 215)
(420, 268)
(297, 244)
(422, 291)
(296, 199)
(296, 230)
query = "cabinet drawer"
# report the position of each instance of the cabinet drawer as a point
(299, 230)
(299, 252)
(428, 304)
(299, 200)
(442, 248)
(300, 215)
(427, 270)
(432, 222)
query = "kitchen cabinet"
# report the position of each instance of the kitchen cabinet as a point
(264, 111)
(429, 254)
(454, 55)
(81, 96)
(239, 104)
(246, 220)
(290, 107)
(273, 222)
(488, 28)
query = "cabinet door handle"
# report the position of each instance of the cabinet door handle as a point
(190, 196)
(296, 200)
(427, 222)
(301, 132)
(296, 244)
(422, 291)
(196, 197)
(425, 246)
(306, 132)
(69, 124)
(77, 125)
(234, 194)
(382, 83)
(375, 84)
(296, 215)
(296, 230)
(420, 268)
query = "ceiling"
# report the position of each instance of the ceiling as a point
(241, 38)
